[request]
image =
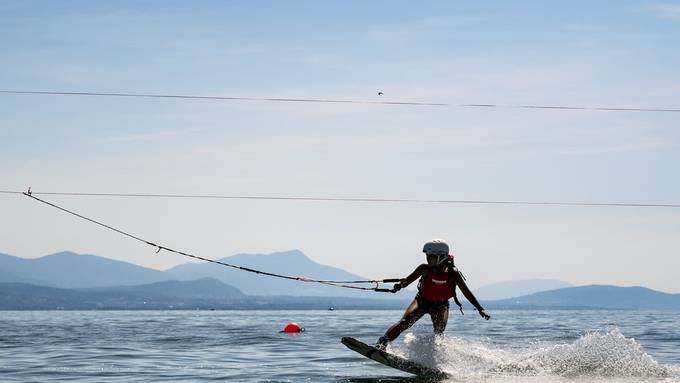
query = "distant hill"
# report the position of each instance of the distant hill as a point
(509, 289)
(173, 295)
(205, 288)
(293, 263)
(159, 295)
(72, 280)
(70, 270)
(595, 296)
(23, 296)
(8, 277)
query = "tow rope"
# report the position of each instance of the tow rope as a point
(344, 284)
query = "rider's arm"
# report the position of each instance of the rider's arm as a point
(417, 273)
(460, 281)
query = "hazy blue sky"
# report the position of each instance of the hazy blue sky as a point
(604, 53)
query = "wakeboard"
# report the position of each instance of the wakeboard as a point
(392, 360)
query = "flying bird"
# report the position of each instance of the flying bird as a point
(380, 93)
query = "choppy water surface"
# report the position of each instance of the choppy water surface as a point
(245, 346)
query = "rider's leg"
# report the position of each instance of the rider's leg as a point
(440, 316)
(411, 316)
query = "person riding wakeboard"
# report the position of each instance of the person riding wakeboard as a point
(438, 281)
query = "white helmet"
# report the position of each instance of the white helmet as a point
(437, 247)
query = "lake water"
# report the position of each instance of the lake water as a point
(246, 346)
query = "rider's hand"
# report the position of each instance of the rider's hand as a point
(396, 287)
(484, 315)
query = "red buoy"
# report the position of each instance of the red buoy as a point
(292, 327)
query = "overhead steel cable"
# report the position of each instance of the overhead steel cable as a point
(562, 107)
(339, 101)
(222, 98)
(360, 200)
(344, 284)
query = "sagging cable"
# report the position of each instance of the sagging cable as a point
(343, 284)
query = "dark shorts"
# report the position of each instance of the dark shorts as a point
(429, 307)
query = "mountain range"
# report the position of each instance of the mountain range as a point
(71, 270)
(206, 293)
(76, 271)
(510, 289)
(596, 296)
(73, 281)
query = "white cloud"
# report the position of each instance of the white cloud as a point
(665, 11)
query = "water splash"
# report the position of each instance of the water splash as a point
(608, 354)
(601, 355)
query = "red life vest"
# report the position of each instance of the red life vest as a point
(436, 286)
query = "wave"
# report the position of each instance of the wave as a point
(600, 355)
